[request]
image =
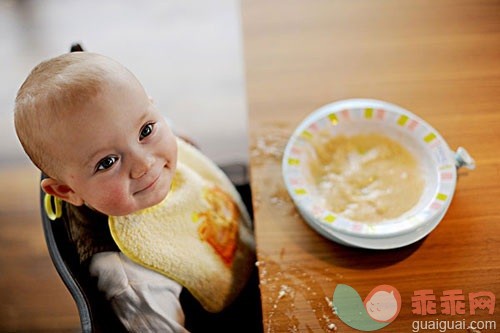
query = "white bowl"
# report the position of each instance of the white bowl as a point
(361, 116)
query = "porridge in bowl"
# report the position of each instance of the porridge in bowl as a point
(370, 174)
(365, 177)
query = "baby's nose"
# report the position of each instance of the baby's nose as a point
(141, 166)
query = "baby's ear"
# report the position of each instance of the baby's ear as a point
(60, 190)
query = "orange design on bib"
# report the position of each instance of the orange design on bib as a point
(219, 226)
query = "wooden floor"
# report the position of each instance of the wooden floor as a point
(33, 297)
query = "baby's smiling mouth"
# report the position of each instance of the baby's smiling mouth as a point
(149, 186)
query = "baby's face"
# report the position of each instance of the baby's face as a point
(119, 153)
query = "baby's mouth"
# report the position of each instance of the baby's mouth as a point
(149, 185)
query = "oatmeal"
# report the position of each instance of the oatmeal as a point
(366, 178)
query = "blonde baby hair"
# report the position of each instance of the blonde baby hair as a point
(53, 88)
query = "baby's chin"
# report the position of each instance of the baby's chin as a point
(158, 198)
(155, 202)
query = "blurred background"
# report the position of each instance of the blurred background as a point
(187, 54)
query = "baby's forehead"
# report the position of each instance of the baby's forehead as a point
(85, 86)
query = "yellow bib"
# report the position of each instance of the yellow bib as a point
(198, 236)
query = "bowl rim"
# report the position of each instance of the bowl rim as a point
(385, 229)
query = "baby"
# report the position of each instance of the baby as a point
(87, 123)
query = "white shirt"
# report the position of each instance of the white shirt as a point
(143, 300)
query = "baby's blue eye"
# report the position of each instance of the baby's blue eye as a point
(146, 131)
(106, 163)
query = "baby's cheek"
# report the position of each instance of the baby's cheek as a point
(115, 201)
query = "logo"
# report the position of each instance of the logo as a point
(380, 308)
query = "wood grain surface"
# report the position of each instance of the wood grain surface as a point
(438, 59)
(33, 297)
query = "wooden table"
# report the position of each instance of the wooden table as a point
(439, 59)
